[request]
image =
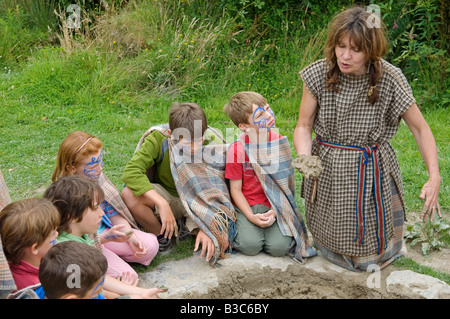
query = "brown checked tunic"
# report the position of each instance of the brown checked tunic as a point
(347, 119)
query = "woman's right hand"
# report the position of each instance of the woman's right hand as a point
(430, 193)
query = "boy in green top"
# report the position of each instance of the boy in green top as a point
(156, 204)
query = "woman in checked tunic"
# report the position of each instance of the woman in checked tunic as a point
(354, 100)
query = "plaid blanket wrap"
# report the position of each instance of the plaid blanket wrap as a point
(7, 284)
(272, 164)
(5, 198)
(6, 279)
(201, 185)
(112, 196)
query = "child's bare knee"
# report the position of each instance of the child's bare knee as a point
(127, 196)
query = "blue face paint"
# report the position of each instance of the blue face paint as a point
(53, 242)
(91, 168)
(260, 118)
(100, 284)
(111, 236)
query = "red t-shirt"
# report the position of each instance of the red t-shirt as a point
(239, 167)
(24, 274)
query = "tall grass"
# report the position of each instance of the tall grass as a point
(17, 39)
(119, 73)
(116, 77)
(414, 171)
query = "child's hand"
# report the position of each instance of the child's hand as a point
(262, 220)
(168, 222)
(151, 293)
(137, 245)
(271, 213)
(114, 234)
(208, 247)
(128, 279)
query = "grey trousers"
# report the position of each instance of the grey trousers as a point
(251, 239)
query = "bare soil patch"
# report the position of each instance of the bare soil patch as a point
(295, 282)
(300, 282)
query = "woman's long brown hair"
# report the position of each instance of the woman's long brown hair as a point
(370, 38)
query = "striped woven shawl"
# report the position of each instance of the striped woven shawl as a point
(202, 188)
(272, 164)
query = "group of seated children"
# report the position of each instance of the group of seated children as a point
(78, 239)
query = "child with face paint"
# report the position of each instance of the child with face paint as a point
(77, 201)
(28, 230)
(58, 268)
(256, 225)
(63, 262)
(82, 154)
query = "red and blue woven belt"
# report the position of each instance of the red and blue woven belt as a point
(367, 151)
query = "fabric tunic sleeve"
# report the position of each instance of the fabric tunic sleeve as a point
(402, 95)
(5, 198)
(7, 284)
(313, 77)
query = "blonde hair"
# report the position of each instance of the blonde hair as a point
(25, 223)
(240, 106)
(371, 40)
(75, 147)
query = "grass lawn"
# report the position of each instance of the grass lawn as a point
(122, 78)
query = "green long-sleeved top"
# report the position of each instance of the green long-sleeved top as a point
(148, 154)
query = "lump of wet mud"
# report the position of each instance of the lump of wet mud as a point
(293, 283)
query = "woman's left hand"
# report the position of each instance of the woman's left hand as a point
(430, 193)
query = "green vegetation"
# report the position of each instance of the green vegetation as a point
(121, 70)
(408, 263)
(431, 234)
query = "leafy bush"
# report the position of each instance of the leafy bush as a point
(136, 57)
(432, 235)
(418, 45)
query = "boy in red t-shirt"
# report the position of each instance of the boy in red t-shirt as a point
(28, 229)
(256, 226)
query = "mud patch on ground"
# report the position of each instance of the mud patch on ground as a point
(295, 282)
(266, 277)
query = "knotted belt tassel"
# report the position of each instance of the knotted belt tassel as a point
(361, 191)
